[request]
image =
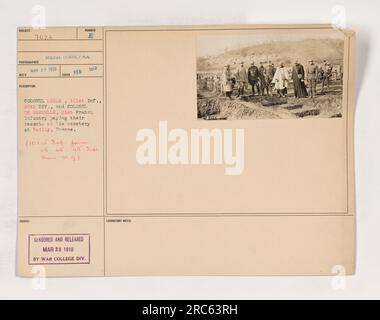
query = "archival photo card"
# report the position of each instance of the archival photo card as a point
(118, 176)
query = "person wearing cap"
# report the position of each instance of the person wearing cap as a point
(326, 75)
(270, 74)
(241, 77)
(262, 68)
(311, 77)
(254, 78)
(321, 68)
(298, 76)
(264, 83)
(227, 81)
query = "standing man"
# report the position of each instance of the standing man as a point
(254, 78)
(340, 73)
(227, 81)
(270, 75)
(321, 71)
(263, 79)
(312, 76)
(262, 68)
(216, 84)
(241, 79)
(326, 75)
(298, 76)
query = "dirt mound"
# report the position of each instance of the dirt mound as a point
(324, 105)
(231, 110)
(329, 106)
(208, 107)
(238, 111)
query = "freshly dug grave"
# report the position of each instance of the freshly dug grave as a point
(222, 108)
(330, 106)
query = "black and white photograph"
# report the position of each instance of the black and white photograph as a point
(291, 75)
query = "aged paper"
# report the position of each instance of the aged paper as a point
(207, 150)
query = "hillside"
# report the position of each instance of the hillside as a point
(286, 51)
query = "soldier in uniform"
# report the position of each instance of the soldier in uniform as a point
(262, 68)
(340, 73)
(264, 84)
(227, 81)
(270, 74)
(326, 75)
(254, 78)
(312, 76)
(241, 79)
(217, 84)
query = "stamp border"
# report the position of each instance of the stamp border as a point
(60, 234)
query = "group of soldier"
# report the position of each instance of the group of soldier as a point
(269, 80)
